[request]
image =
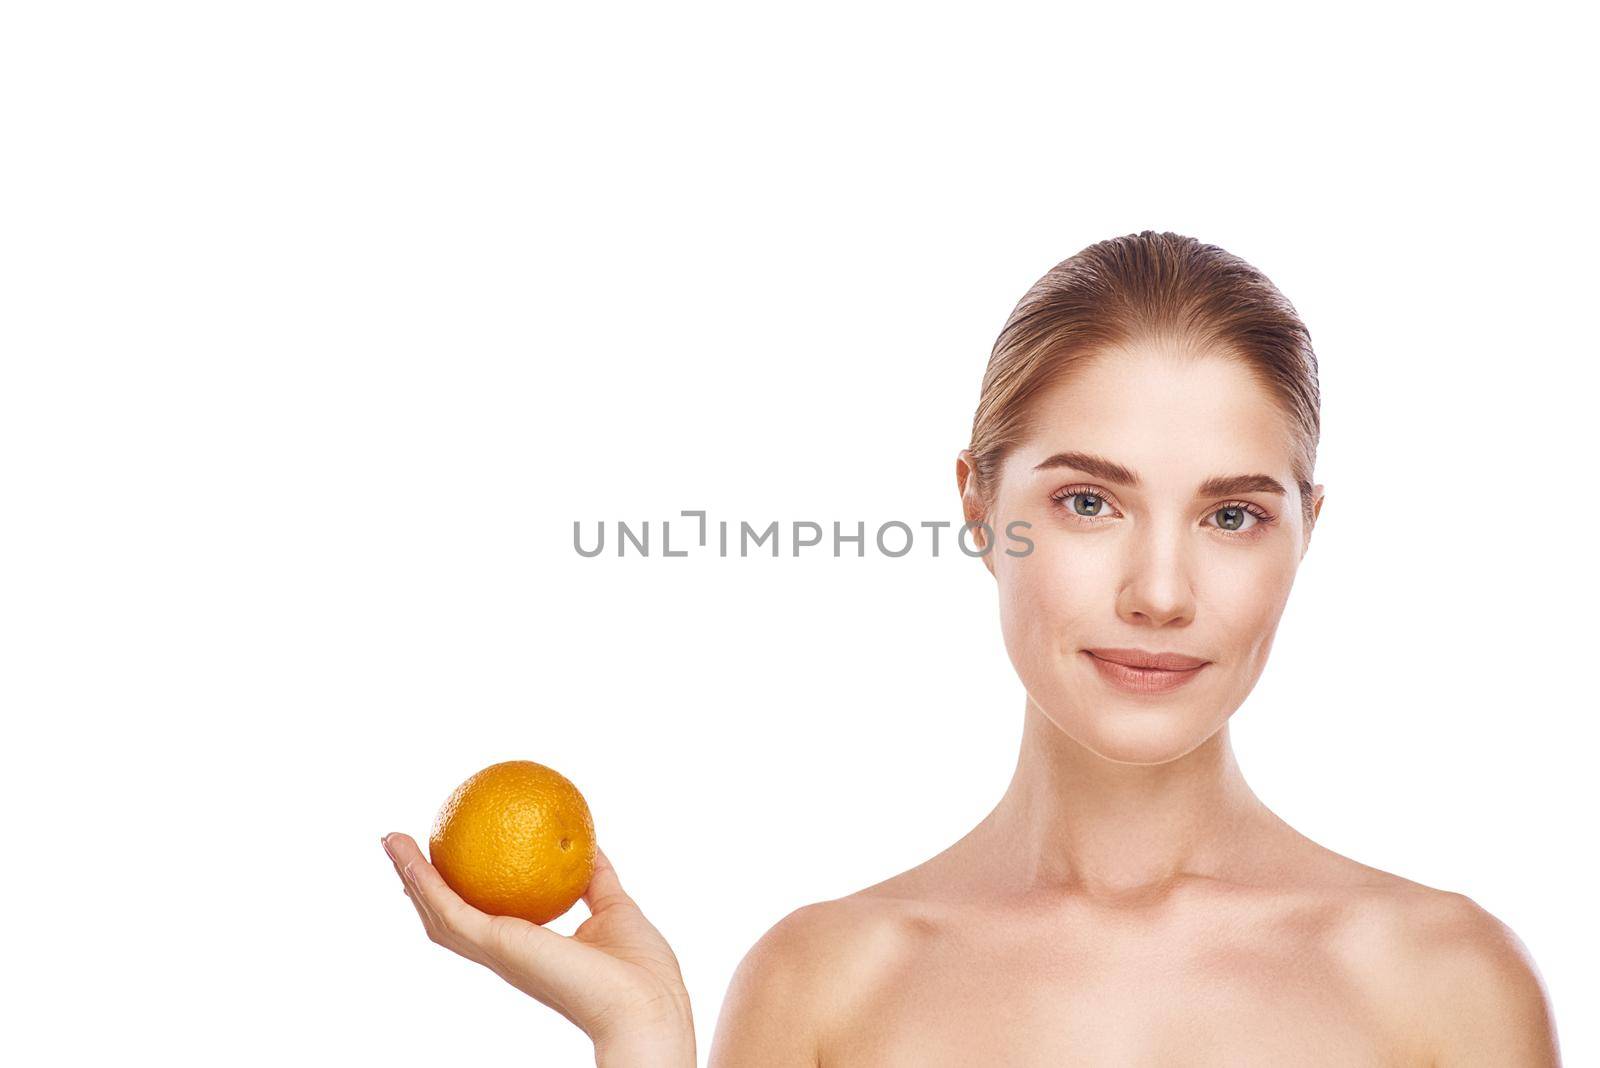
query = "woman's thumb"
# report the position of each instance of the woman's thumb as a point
(605, 888)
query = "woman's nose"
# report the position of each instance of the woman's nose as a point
(1157, 585)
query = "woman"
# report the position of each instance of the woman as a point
(1151, 413)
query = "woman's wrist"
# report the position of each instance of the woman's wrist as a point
(673, 1049)
(665, 1043)
(673, 1053)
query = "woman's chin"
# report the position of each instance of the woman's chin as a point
(1138, 736)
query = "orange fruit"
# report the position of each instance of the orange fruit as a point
(516, 839)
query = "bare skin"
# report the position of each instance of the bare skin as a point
(1129, 900)
(1267, 950)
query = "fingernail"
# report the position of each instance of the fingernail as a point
(386, 849)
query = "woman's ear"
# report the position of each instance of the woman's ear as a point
(967, 486)
(965, 466)
(972, 509)
(1316, 510)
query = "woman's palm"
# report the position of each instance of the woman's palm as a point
(615, 975)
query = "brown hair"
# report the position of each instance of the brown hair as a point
(1139, 287)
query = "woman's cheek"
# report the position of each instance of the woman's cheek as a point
(1247, 601)
(1044, 599)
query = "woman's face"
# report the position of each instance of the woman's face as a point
(1132, 550)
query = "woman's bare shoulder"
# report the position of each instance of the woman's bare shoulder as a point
(1447, 968)
(805, 975)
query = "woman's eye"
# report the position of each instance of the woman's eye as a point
(1093, 507)
(1233, 518)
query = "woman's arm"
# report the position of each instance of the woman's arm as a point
(616, 978)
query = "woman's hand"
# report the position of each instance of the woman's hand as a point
(615, 976)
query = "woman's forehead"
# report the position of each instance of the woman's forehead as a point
(1164, 420)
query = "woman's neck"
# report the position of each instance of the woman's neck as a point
(1072, 821)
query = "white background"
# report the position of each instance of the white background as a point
(323, 322)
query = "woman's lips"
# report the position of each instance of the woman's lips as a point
(1142, 680)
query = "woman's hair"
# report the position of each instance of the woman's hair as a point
(1141, 287)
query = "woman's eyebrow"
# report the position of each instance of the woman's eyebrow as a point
(1111, 471)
